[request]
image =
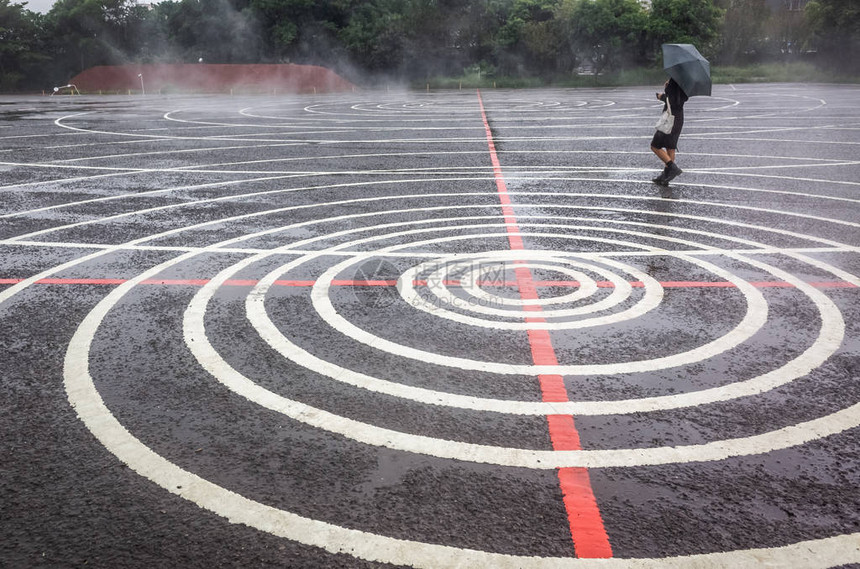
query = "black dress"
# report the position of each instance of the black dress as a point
(677, 97)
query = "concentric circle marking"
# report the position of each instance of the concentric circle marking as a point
(754, 319)
(620, 292)
(488, 303)
(826, 343)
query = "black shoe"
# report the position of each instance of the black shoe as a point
(661, 179)
(672, 171)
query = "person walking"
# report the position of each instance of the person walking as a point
(665, 145)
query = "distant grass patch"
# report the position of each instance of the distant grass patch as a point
(475, 81)
(798, 72)
(627, 77)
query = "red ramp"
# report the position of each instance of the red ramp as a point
(212, 78)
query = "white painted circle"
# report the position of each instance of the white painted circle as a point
(473, 281)
(477, 270)
(621, 290)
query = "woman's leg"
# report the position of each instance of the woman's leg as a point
(663, 154)
(672, 171)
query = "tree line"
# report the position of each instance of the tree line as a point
(415, 39)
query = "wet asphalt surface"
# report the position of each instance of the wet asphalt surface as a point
(300, 410)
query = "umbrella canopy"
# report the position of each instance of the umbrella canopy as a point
(684, 64)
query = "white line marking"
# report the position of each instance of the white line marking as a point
(425, 196)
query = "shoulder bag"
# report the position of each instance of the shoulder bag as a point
(667, 119)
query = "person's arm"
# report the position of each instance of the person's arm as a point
(662, 96)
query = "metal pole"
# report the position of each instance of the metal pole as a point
(141, 83)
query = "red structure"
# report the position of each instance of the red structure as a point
(211, 78)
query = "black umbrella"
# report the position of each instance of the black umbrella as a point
(684, 64)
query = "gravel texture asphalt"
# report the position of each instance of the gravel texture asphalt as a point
(442, 329)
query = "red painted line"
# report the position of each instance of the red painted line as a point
(292, 283)
(664, 284)
(692, 284)
(192, 282)
(552, 389)
(81, 281)
(583, 514)
(240, 282)
(575, 487)
(365, 283)
(834, 284)
(568, 438)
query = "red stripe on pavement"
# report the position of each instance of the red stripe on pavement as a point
(664, 284)
(567, 436)
(365, 283)
(552, 389)
(81, 281)
(293, 283)
(583, 514)
(192, 282)
(834, 284)
(240, 282)
(691, 284)
(576, 489)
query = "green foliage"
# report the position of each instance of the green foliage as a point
(20, 44)
(506, 42)
(374, 35)
(84, 33)
(742, 37)
(836, 27)
(686, 21)
(607, 34)
(528, 38)
(212, 30)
